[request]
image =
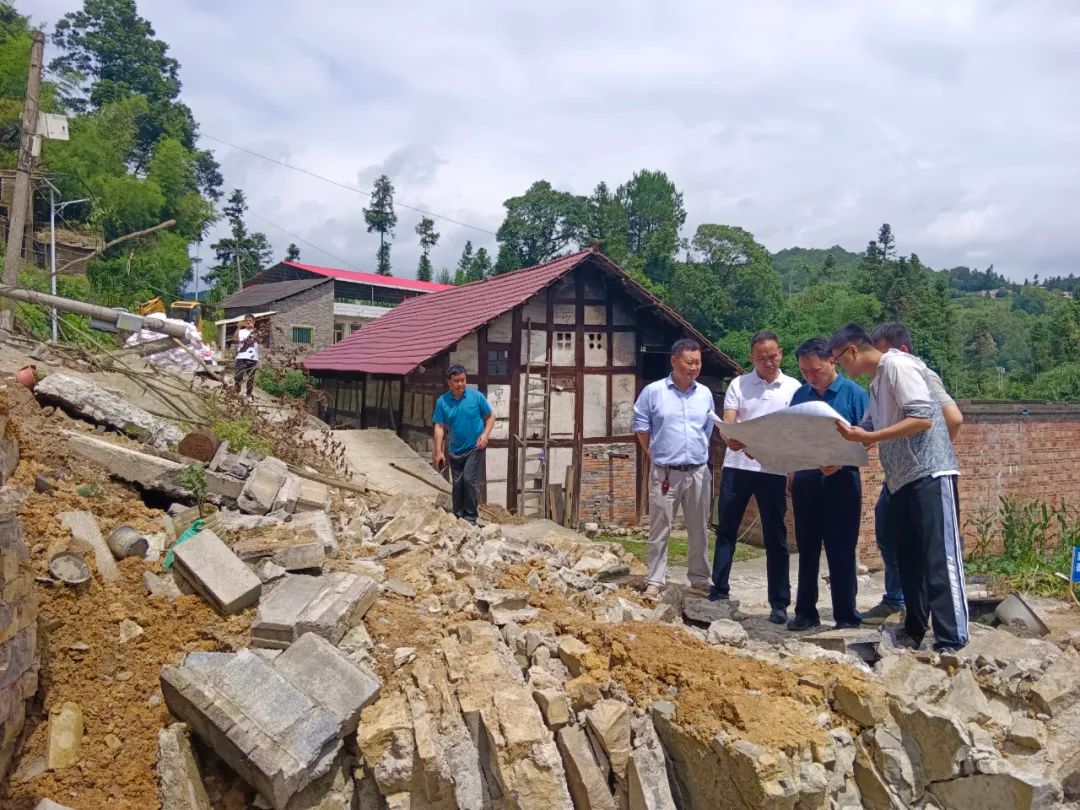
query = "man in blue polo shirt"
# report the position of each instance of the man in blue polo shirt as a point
(827, 501)
(465, 414)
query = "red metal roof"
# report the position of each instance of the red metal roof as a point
(421, 327)
(370, 278)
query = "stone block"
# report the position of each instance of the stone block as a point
(647, 782)
(325, 605)
(998, 791)
(1057, 689)
(554, 706)
(725, 631)
(262, 486)
(326, 675)
(574, 654)
(318, 523)
(65, 736)
(965, 699)
(609, 720)
(180, 785)
(84, 528)
(313, 497)
(905, 677)
(699, 610)
(942, 743)
(866, 704)
(285, 500)
(218, 575)
(1027, 732)
(49, 804)
(588, 787)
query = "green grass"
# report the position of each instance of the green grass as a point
(637, 544)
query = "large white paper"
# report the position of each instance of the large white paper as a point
(802, 437)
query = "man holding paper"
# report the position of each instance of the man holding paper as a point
(827, 501)
(764, 390)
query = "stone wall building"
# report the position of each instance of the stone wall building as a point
(561, 350)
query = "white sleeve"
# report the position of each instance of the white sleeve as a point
(733, 396)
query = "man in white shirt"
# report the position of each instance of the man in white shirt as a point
(764, 390)
(247, 354)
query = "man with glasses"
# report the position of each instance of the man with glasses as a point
(764, 390)
(906, 422)
(894, 335)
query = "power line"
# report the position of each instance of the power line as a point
(305, 241)
(346, 186)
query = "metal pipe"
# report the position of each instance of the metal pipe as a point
(125, 320)
(52, 255)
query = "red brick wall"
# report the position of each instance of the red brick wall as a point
(1002, 453)
(608, 484)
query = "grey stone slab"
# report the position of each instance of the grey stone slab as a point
(321, 524)
(180, 784)
(699, 610)
(327, 606)
(262, 486)
(285, 500)
(217, 573)
(301, 556)
(330, 678)
(586, 781)
(84, 528)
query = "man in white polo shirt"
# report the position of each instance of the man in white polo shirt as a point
(764, 390)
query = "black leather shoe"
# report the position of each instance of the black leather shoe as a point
(778, 616)
(848, 625)
(718, 597)
(803, 623)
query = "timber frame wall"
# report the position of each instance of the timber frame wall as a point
(605, 345)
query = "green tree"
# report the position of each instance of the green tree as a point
(745, 271)
(481, 265)
(604, 223)
(650, 213)
(444, 277)
(380, 217)
(292, 253)
(463, 272)
(429, 237)
(539, 225)
(108, 53)
(240, 255)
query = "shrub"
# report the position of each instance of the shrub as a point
(291, 383)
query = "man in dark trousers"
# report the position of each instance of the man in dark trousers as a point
(764, 390)
(464, 414)
(905, 421)
(247, 355)
(827, 501)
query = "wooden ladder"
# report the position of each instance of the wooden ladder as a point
(535, 429)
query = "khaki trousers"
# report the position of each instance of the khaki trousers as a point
(693, 492)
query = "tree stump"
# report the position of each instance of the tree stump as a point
(200, 445)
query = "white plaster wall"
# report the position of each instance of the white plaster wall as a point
(538, 354)
(562, 414)
(622, 403)
(565, 313)
(596, 348)
(621, 313)
(560, 459)
(498, 396)
(535, 310)
(563, 353)
(623, 345)
(595, 314)
(466, 354)
(496, 460)
(500, 330)
(596, 406)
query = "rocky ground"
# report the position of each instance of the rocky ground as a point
(341, 649)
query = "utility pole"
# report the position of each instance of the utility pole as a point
(20, 200)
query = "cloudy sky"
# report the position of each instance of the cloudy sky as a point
(808, 124)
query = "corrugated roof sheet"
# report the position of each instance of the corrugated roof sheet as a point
(370, 278)
(421, 327)
(259, 295)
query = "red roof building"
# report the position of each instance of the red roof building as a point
(561, 351)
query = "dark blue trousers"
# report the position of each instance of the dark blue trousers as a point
(770, 492)
(828, 509)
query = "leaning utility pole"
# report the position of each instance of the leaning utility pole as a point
(20, 200)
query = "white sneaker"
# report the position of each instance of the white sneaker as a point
(651, 594)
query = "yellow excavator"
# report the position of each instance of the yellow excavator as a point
(187, 311)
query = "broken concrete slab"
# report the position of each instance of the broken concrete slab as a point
(725, 631)
(326, 605)
(94, 403)
(313, 497)
(65, 736)
(586, 781)
(505, 606)
(319, 524)
(943, 744)
(609, 720)
(218, 575)
(180, 784)
(275, 736)
(161, 587)
(329, 677)
(84, 528)
(291, 550)
(1057, 689)
(285, 500)
(906, 677)
(262, 486)
(965, 699)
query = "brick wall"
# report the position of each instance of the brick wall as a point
(608, 484)
(312, 308)
(18, 627)
(1027, 451)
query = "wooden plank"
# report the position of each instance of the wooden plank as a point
(568, 490)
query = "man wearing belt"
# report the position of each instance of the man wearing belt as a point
(764, 390)
(827, 501)
(673, 420)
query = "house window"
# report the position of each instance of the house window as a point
(498, 361)
(596, 340)
(302, 335)
(564, 341)
(353, 327)
(339, 331)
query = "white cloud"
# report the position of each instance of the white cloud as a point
(807, 124)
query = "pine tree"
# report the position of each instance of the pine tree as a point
(380, 217)
(481, 265)
(240, 255)
(292, 253)
(463, 272)
(429, 237)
